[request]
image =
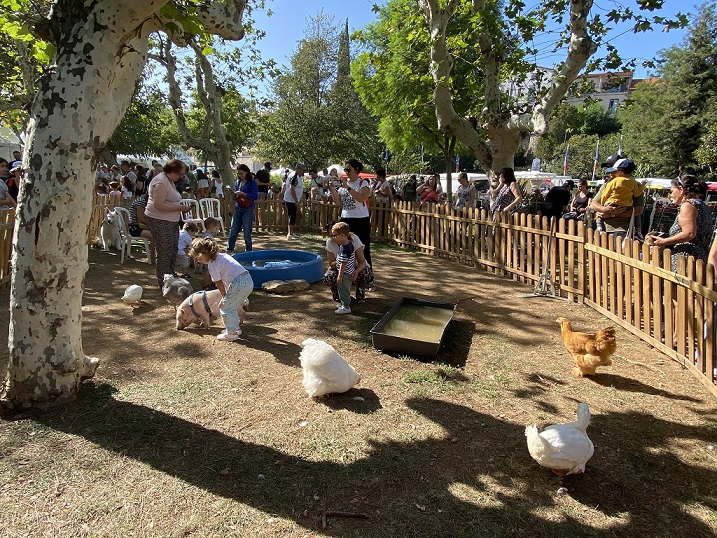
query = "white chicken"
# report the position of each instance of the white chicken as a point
(563, 448)
(325, 371)
(133, 296)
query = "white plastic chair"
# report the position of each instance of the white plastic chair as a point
(128, 241)
(195, 215)
(211, 207)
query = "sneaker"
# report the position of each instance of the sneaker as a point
(229, 337)
(342, 310)
(292, 236)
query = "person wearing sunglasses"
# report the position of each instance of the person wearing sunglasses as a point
(352, 196)
(691, 233)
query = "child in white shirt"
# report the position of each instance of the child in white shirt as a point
(186, 235)
(232, 280)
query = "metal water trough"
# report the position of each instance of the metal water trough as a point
(408, 346)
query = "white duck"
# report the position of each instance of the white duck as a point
(563, 448)
(133, 295)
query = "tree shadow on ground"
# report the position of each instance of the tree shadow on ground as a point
(633, 385)
(283, 351)
(476, 480)
(357, 400)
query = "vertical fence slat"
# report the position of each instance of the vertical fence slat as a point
(669, 302)
(657, 292)
(710, 361)
(691, 311)
(619, 309)
(698, 335)
(637, 289)
(681, 311)
(603, 282)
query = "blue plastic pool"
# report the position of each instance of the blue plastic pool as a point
(266, 265)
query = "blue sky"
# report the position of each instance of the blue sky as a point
(285, 27)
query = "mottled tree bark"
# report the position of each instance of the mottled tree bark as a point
(101, 49)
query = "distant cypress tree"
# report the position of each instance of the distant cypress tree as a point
(357, 136)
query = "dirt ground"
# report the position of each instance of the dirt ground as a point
(181, 435)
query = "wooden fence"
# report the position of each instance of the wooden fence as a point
(7, 223)
(635, 286)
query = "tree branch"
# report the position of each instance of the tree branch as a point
(441, 66)
(580, 49)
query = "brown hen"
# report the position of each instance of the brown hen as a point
(589, 350)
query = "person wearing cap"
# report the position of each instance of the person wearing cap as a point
(611, 160)
(292, 191)
(616, 219)
(623, 187)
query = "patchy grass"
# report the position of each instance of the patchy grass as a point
(180, 435)
(443, 378)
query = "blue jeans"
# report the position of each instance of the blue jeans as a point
(238, 290)
(243, 219)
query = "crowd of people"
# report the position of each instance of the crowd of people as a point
(157, 210)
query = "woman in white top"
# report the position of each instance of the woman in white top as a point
(217, 185)
(352, 196)
(382, 190)
(163, 214)
(127, 188)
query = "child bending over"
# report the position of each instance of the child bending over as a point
(232, 280)
(346, 265)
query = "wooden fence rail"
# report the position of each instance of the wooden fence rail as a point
(631, 284)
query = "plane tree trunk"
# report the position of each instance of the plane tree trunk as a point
(101, 50)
